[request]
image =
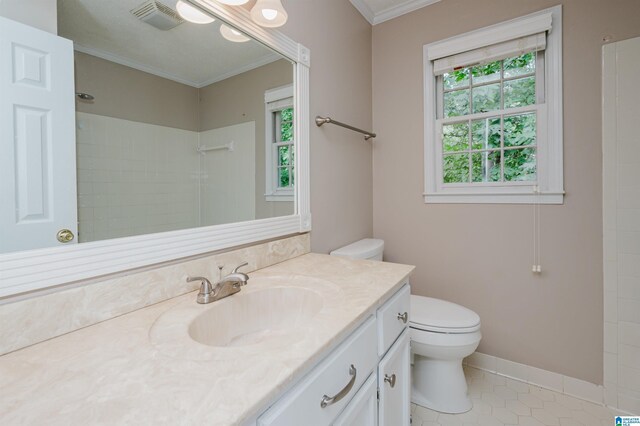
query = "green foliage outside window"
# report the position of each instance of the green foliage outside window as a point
(285, 151)
(494, 149)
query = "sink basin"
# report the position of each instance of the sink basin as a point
(271, 314)
(252, 318)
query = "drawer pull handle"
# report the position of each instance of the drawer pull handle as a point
(390, 379)
(403, 317)
(328, 400)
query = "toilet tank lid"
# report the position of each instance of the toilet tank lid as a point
(363, 249)
(439, 315)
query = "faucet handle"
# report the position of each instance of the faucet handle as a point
(235, 271)
(206, 293)
(205, 288)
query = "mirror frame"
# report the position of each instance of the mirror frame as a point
(36, 269)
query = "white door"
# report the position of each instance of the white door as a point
(363, 408)
(394, 382)
(37, 138)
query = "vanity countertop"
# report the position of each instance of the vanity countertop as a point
(121, 372)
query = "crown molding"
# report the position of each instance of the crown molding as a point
(375, 18)
(364, 10)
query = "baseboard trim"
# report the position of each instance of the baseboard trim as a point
(571, 386)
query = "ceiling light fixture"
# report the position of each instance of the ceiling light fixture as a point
(233, 2)
(269, 13)
(192, 14)
(232, 34)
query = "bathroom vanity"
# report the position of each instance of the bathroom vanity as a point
(314, 340)
(376, 389)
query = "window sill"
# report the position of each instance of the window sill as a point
(495, 198)
(272, 197)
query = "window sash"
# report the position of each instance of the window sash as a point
(539, 109)
(539, 75)
(275, 110)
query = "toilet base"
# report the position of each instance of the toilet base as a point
(440, 385)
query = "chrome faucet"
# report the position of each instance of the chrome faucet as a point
(226, 286)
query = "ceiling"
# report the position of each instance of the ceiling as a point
(377, 11)
(196, 55)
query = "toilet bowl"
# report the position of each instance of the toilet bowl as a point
(442, 334)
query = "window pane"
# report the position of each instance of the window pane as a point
(486, 98)
(525, 64)
(520, 130)
(455, 168)
(456, 79)
(520, 92)
(486, 166)
(486, 73)
(520, 164)
(455, 137)
(286, 131)
(287, 114)
(283, 155)
(485, 133)
(456, 103)
(283, 180)
(292, 176)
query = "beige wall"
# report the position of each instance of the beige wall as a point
(341, 188)
(240, 99)
(481, 255)
(124, 92)
(41, 14)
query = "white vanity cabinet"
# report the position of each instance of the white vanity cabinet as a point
(365, 381)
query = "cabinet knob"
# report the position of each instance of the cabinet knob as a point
(403, 317)
(390, 379)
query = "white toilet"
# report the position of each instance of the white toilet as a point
(442, 334)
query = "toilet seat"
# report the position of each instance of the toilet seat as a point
(440, 316)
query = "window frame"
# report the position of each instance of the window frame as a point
(276, 100)
(548, 188)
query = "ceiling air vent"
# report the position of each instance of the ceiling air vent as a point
(158, 15)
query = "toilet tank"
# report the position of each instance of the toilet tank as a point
(369, 248)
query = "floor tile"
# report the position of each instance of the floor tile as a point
(518, 408)
(501, 401)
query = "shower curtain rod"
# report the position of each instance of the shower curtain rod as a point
(323, 120)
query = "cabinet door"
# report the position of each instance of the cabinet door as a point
(394, 382)
(363, 408)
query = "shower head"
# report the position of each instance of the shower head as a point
(84, 96)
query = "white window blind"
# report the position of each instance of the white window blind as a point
(495, 52)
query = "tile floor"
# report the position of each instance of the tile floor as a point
(499, 401)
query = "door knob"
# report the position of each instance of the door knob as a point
(65, 236)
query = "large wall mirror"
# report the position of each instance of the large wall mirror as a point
(186, 138)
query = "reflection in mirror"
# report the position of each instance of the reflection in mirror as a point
(176, 126)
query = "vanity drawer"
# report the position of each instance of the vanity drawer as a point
(333, 377)
(393, 318)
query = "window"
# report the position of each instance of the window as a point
(280, 142)
(493, 114)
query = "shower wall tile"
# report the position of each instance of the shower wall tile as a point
(629, 333)
(621, 213)
(134, 178)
